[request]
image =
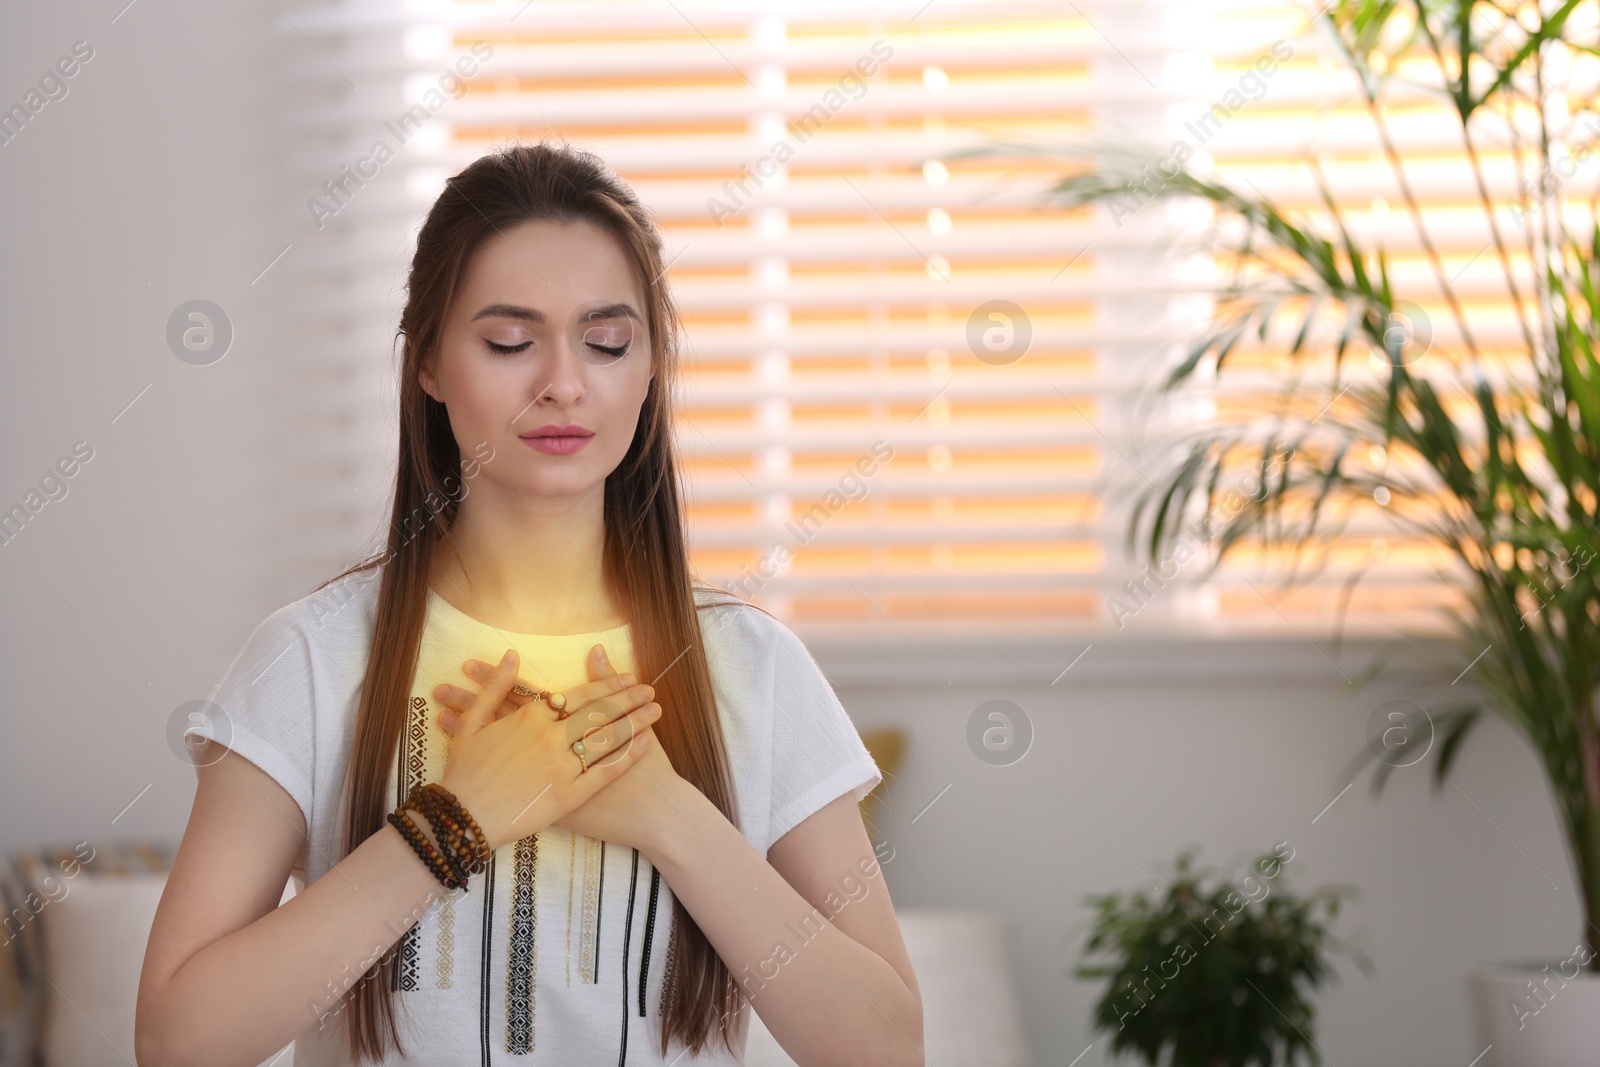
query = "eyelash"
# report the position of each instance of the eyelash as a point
(507, 350)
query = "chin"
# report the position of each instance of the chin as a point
(565, 483)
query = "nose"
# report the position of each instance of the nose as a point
(560, 376)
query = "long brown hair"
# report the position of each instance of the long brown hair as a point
(645, 563)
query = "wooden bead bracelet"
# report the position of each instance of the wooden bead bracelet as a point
(401, 821)
(470, 853)
(463, 850)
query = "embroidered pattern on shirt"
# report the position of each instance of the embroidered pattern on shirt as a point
(445, 946)
(413, 762)
(589, 930)
(520, 961)
(444, 960)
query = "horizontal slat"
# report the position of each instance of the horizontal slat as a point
(650, 19)
(716, 207)
(847, 535)
(1053, 45)
(1027, 229)
(1228, 581)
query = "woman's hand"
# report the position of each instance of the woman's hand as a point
(515, 771)
(634, 806)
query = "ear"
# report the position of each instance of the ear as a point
(426, 378)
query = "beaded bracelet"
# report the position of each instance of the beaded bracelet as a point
(440, 805)
(448, 830)
(450, 820)
(400, 819)
(440, 861)
(458, 856)
(438, 790)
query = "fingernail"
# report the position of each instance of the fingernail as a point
(506, 660)
(448, 720)
(446, 692)
(472, 670)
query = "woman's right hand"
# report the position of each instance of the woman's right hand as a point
(517, 774)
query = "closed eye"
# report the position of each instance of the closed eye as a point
(620, 330)
(616, 352)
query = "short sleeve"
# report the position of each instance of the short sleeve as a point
(817, 754)
(263, 708)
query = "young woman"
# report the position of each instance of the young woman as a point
(656, 858)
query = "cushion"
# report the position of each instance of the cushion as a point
(79, 918)
(966, 969)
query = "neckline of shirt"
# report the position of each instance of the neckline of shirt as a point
(450, 611)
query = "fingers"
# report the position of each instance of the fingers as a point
(605, 725)
(614, 746)
(600, 664)
(456, 701)
(477, 670)
(611, 703)
(609, 709)
(480, 712)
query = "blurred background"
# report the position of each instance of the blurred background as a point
(206, 232)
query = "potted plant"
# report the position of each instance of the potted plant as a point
(1490, 457)
(1216, 976)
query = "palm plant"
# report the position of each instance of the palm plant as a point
(1490, 456)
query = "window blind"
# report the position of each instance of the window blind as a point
(909, 383)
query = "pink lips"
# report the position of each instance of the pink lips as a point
(558, 440)
(557, 430)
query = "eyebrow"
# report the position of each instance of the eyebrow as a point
(514, 311)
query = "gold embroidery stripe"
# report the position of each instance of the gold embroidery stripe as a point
(446, 965)
(591, 904)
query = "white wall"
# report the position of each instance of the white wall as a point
(1229, 746)
(156, 181)
(153, 182)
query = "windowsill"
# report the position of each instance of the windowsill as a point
(1132, 657)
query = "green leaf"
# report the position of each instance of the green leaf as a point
(1452, 728)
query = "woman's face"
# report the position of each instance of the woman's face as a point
(548, 330)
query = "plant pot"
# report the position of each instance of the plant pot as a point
(1534, 1015)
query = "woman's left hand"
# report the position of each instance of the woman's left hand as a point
(633, 810)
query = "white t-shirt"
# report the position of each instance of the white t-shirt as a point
(556, 953)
